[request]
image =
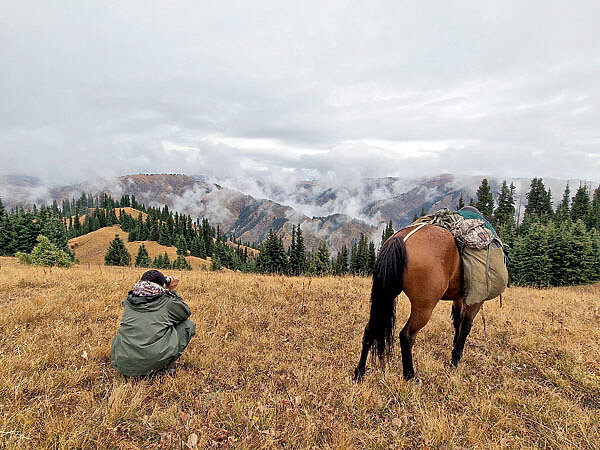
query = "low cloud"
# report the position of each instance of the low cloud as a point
(332, 92)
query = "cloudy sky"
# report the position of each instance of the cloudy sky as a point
(299, 89)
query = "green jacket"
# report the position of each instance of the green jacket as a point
(147, 339)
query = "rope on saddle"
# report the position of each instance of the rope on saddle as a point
(414, 231)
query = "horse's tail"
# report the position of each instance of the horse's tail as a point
(387, 285)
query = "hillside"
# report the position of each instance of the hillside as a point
(271, 362)
(91, 248)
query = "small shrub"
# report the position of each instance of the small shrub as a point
(45, 253)
(24, 258)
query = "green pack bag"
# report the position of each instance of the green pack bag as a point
(485, 274)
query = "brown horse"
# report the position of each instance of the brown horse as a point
(428, 268)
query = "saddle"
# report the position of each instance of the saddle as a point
(485, 275)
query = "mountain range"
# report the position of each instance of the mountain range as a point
(336, 213)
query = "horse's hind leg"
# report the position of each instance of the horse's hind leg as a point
(465, 328)
(457, 310)
(366, 346)
(417, 320)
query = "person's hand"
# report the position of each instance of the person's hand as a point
(173, 285)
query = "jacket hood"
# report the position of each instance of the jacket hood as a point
(144, 292)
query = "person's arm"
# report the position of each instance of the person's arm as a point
(177, 308)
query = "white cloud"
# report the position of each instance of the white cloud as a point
(321, 90)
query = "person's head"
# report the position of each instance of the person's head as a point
(154, 276)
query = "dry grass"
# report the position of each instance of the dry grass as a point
(91, 248)
(271, 363)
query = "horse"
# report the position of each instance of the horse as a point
(428, 268)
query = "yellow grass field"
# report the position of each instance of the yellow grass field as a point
(91, 248)
(271, 362)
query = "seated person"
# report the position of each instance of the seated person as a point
(155, 329)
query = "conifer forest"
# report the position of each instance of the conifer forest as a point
(546, 245)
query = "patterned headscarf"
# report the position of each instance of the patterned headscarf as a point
(147, 289)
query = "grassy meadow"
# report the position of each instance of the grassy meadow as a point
(271, 362)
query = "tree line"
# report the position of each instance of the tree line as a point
(550, 246)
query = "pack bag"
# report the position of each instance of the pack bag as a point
(472, 233)
(484, 272)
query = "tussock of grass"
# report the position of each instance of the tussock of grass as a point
(271, 365)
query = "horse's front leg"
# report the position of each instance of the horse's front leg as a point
(367, 342)
(466, 324)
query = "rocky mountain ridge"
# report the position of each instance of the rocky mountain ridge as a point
(337, 214)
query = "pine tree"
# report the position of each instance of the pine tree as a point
(25, 230)
(388, 232)
(181, 244)
(595, 264)
(485, 199)
(507, 232)
(207, 235)
(143, 258)
(320, 264)
(594, 217)
(164, 238)
(112, 219)
(531, 264)
(359, 262)
(197, 248)
(298, 255)
(158, 262)
(215, 264)
(77, 223)
(8, 236)
(563, 210)
(561, 262)
(133, 235)
(54, 229)
(582, 254)
(341, 263)
(461, 202)
(580, 209)
(154, 232)
(117, 254)
(539, 204)
(166, 261)
(505, 213)
(181, 263)
(371, 258)
(5, 237)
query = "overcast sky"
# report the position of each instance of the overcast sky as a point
(301, 89)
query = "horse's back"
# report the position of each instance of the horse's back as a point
(434, 267)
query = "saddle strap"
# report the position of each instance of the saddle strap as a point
(414, 231)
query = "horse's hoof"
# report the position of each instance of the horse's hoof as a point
(454, 363)
(409, 376)
(358, 375)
